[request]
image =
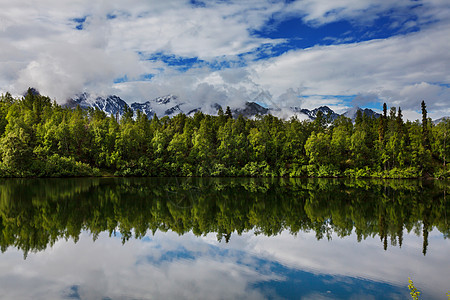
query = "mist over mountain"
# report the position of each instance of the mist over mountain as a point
(365, 111)
(171, 105)
(437, 121)
(312, 114)
(111, 105)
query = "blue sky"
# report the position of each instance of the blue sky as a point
(301, 53)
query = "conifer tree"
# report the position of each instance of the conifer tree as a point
(425, 136)
(228, 113)
(382, 124)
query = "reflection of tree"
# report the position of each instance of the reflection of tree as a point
(36, 213)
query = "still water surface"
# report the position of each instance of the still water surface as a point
(129, 238)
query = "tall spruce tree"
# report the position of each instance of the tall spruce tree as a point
(425, 135)
(382, 124)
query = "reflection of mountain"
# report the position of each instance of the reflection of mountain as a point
(36, 213)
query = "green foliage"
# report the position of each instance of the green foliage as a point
(17, 153)
(57, 166)
(413, 290)
(36, 134)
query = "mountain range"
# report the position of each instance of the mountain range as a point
(170, 105)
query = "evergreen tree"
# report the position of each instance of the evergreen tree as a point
(400, 121)
(425, 134)
(382, 125)
(228, 113)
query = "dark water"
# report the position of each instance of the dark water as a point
(223, 239)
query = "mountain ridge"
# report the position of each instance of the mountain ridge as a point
(169, 105)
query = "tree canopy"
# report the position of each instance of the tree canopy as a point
(41, 138)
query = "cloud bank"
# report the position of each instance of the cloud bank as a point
(231, 51)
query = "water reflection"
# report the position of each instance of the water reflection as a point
(231, 238)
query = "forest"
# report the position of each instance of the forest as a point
(40, 138)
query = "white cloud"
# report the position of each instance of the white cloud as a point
(42, 48)
(395, 69)
(319, 12)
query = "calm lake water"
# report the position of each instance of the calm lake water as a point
(172, 238)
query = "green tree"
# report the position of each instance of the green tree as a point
(17, 154)
(204, 146)
(228, 113)
(425, 134)
(441, 145)
(341, 141)
(318, 148)
(80, 135)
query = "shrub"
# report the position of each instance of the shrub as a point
(60, 166)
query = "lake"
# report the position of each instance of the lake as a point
(228, 238)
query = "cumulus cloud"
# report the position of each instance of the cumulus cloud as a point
(394, 69)
(66, 48)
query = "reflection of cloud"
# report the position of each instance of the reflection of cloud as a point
(107, 268)
(363, 260)
(171, 267)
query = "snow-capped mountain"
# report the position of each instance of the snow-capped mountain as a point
(437, 121)
(165, 99)
(111, 105)
(312, 114)
(145, 107)
(170, 105)
(250, 109)
(172, 111)
(114, 105)
(366, 111)
(162, 106)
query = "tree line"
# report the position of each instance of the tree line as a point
(40, 138)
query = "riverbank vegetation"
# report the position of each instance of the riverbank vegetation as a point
(41, 138)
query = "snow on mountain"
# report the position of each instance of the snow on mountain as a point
(251, 109)
(170, 105)
(437, 121)
(326, 111)
(368, 112)
(145, 107)
(165, 99)
(111, 105)
(173, 111)
(162, 106)
(114, 105)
